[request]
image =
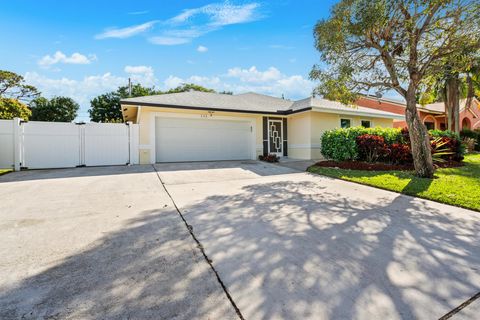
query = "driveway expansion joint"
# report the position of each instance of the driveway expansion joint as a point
(460, 307)
(200, 246)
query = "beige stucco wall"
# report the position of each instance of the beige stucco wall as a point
(299, 128)
(306, 129)
(147, 127)
(328, 121)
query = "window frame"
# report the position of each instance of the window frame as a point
(349, 119)
(370, 121)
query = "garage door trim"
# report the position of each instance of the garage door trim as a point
(201, 116)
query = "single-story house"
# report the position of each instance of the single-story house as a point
(433, 114)
(201, 126)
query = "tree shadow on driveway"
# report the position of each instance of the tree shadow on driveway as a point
(150, 269)
(295, 250)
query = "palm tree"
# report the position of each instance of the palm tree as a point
(459, 80)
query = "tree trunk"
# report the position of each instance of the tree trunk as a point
(452, 103)
(419, 139)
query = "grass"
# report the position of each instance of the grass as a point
(455, 186)
(4, 171)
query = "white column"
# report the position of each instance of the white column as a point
(17, 143)
(133, 142)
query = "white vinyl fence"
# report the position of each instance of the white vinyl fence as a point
(40, 145)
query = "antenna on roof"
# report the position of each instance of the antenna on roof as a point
(129, 87)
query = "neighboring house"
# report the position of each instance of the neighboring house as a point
(432, 115)
(200, 126)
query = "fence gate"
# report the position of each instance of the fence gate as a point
(49, 145)
(6, 143)
(62, 145)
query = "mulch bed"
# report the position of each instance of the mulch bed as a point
(378, 166)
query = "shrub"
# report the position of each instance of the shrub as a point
(341, 144)
(268, 158)
(447, 148)
(441, 134)
(400, 153)
(371, 147)
(471, 134)
(470, 144)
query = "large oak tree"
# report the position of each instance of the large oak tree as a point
(393, 45)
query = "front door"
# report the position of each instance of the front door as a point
(275, 139)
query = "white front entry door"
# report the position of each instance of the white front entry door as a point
(196, 139)
(275, 137)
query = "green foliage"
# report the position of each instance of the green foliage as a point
(456, 186)
(137, 91)
(13, 86)
(189, 87)
(341, 145)
(367, 44)
(57, 109)
(105, 108)
(12, 108)
(447, 133)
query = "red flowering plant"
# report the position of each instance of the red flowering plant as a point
(400, 153)
(371, 147)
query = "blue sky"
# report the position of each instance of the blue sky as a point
(82, 49)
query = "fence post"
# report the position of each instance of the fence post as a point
(133, 142)
(17, 141)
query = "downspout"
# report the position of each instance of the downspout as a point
(139, 112)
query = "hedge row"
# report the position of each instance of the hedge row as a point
(341, 144)
(351, 143)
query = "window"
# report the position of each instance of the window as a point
(429, 125)
(345, 123)
(366, 123)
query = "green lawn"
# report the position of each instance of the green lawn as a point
(455, 186)
(3, 171)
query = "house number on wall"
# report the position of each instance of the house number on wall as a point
(209, 114)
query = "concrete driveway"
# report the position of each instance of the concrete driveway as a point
(108, 243)
(290, 245)
(100, 243)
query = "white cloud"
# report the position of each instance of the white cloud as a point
(139, 12)
(60, 57)
(141, 74)
(202, 49)
(281, 46)
(126, 32)
(168, 41)
(82, 91)
(220, 14)
(254, 75)
(269, 81)
(193, 23)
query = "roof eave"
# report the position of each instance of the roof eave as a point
(360, 113)
(159, 105)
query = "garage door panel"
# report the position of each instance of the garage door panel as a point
(180, 139)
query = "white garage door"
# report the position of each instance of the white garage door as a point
(181, 139)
